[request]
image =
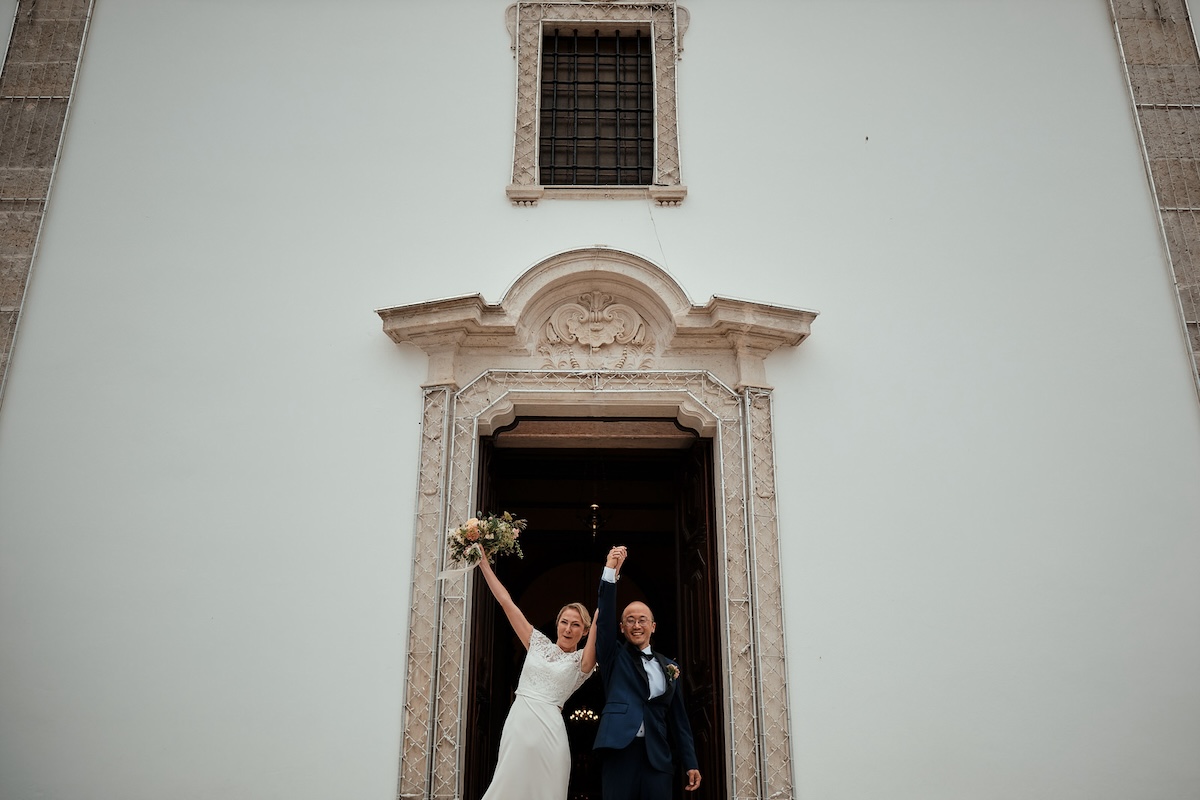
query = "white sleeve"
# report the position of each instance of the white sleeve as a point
(609, 575)
(537, 640)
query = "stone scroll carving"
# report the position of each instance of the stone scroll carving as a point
(596, 333)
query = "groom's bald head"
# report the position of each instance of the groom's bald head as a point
(637, 624)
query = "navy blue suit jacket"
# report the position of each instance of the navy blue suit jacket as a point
(627, 696)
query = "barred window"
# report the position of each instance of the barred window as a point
(597, 109)
(596, 113)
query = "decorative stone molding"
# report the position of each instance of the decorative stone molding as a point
(667, 23)
(601, 335)
(597, 303)
(636, 317)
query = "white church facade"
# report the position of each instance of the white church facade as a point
(860, 324)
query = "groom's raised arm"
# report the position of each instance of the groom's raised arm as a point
(606, 624)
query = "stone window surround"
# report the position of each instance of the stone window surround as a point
(702, 365)
(667, 23)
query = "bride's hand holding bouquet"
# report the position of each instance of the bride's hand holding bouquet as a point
(486, 537)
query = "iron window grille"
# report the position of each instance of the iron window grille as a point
(597, 110)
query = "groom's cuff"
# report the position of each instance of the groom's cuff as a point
(609, 575)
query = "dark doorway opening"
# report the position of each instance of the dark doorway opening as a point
(579, 503)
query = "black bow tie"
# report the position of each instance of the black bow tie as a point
(645, 656)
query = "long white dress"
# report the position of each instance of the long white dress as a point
(535, 756)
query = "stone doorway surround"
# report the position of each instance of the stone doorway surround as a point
(604, 333)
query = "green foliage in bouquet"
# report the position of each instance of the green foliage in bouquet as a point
(492, 535)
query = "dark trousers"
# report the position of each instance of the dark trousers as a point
(627, 775)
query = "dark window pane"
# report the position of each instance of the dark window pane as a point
(597, 109)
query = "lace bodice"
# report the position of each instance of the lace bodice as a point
(549, 674)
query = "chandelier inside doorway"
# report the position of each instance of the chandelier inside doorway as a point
(596, 521)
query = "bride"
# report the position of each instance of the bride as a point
(535, 758)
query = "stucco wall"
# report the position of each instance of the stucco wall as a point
(7, 9)
(988, 449)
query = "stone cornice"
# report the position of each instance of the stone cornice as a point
(465, 319)
(596, 309)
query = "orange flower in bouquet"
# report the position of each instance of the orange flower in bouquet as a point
(492, 535)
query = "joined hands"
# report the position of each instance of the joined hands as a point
(616, 557)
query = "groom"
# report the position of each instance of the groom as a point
(643, 723)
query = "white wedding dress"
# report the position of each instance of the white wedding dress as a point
(535, 757)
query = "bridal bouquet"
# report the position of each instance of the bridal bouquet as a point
(492, 535)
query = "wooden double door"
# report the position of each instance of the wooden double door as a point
(579, 503)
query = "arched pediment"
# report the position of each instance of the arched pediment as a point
(596, 309)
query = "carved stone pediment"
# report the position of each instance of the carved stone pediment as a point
(596, 309)
(596, 332)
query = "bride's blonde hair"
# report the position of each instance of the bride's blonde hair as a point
(579, 609)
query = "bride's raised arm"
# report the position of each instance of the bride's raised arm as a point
(588, 663)
(520, 625)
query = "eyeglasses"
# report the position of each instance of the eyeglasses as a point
(637, 620)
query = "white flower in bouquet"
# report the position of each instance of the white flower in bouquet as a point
(488, 536)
